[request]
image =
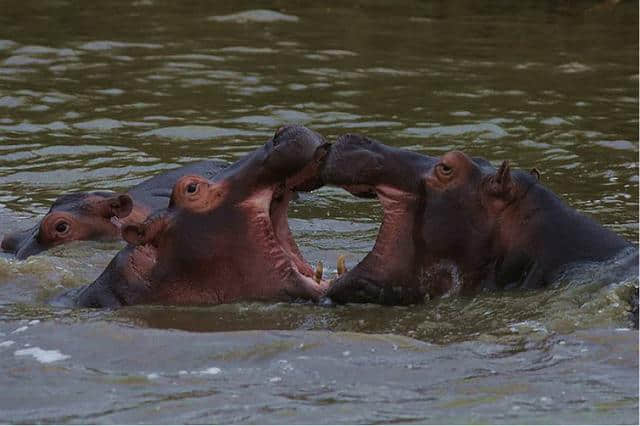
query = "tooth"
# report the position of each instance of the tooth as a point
(341, 267)
(319, 271)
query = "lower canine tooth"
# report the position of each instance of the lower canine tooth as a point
(341, 267)
(319, 271)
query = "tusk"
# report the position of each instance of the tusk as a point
(341, 266)
(319, 271)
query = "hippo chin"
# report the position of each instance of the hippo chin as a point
(100, 215)
(220, 240)
(455, 225)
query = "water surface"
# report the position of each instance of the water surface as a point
(103, 96)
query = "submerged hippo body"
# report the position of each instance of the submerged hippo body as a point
(94, 215)
(220, 240)
(455, 224)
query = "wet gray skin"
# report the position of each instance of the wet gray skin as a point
(110, 94)
(454, 225)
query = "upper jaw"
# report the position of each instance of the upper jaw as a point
(359, 165)
(308, 177)
(293, 164)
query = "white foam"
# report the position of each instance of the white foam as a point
(34, 322)
(275, 379)
(211, 370)
(153, 376)
(42, 355)
(20, 329)
(6, 344)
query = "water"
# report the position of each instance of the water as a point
(104, 96)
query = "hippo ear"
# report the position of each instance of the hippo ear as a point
(501, 183)
(119, 206)
(134, 234)
(145, 233)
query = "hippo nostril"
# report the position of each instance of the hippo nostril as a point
(280, 131)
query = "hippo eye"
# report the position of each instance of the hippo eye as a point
(444, 169)
(192, 188)
(62, 227)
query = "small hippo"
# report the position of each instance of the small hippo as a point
(455, 224)
(220, 240)
(99, 215)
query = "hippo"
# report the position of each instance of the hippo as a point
(457, 225)
(220, 240)
(99, 215)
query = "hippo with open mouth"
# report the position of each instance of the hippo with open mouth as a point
(455, 225)
(99, 215)
(220, 240)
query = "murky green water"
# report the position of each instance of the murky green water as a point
(102, 96)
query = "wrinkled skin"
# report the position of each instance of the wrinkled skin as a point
(455, 225)
(100, 215)
(220, 240)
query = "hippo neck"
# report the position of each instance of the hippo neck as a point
(540, 234)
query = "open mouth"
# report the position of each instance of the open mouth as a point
(369, 169)
(380, 276)
(311, 278)
(268, 213)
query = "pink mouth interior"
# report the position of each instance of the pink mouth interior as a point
(394, 246)
(267, 211)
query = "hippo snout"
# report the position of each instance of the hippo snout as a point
(22, 243)
(352, 160)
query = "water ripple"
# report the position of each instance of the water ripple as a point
(195, 132)
(489, 130)
(257, 15)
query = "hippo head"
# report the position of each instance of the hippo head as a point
(438, 233)
(224, 239)
(72, 217)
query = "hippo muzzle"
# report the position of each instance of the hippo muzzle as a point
(23, 243)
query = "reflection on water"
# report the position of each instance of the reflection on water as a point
(105, 95)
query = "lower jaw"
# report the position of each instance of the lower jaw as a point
(411, 285)
(358, 286)
(387, 274)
